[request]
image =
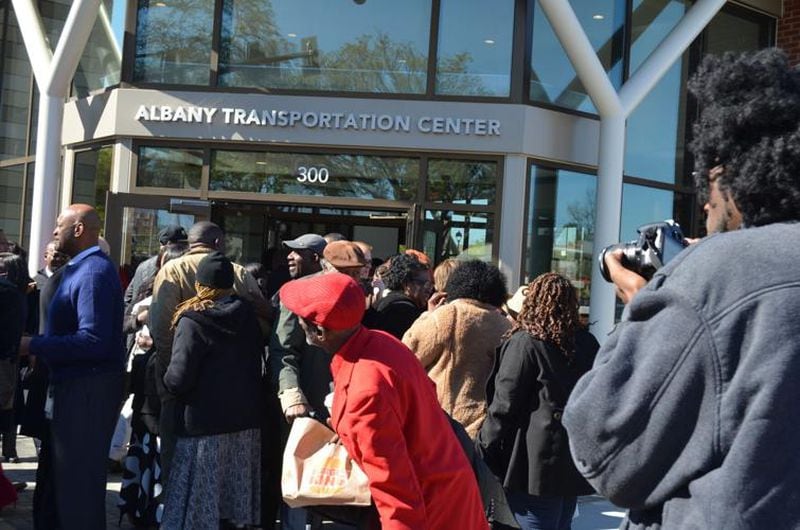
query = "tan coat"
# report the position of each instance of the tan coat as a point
(456, 344)
(174, 284)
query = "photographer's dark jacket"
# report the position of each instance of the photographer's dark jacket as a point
(522, 439)
(690, 415)
(215, 369)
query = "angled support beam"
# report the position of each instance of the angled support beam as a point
(53, 73)
(614, 109)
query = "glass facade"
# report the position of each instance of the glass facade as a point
(375, 46)
(101, 63)
(173, 42)
(340, 175)
(456, 234)
(91, 177)
(474, 47)
(552, 78)
(177, 168)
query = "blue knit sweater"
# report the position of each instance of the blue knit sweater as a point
(83, 335)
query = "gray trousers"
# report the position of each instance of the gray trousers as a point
(85, 410)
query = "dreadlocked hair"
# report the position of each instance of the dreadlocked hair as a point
(550, 312)
(750, 124)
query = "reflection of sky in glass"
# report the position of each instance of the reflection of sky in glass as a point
(337, 23)
(641, 205)
(465, 26)
(551, 64)
(653, 127)
(118, 20)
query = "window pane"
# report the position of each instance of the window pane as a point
(92, 177)
(140, 228)
(373, 46)
(560, 227)
(474, 52)
(730, 32)
(15, 76)
(553, 80)
(461, 235)
(642, 205)
(10, 200)
(173, 42)
(26, 217)
(656, 129)
(462, 182)
(101, 62)
(366, 177)
(162, 167)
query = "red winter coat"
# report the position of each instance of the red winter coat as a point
(386, 413)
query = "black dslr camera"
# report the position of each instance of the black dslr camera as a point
(658, 243)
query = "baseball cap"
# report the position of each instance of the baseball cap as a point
(312, 242)
(343, 254)
(172, 234)
(333, 301)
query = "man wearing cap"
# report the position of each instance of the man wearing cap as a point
(171, 234)
(386, 413)
(304, 375)
(175, 283)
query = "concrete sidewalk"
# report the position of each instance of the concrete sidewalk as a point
(594, 512)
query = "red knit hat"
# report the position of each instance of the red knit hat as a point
(333, 301)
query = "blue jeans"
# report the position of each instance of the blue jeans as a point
(542, 513)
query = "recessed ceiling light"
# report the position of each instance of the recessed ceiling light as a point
(598, 17)
(261, 163)
(291, 35)
(160, 4)
(401, 61)
(488, 41)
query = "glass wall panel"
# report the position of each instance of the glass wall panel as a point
(474, 51)
(101, 63)
(169, 167)
(11, 180)
(643, 205)
(26, 218)
(15, 86)
(140, 228)
(737, 31)
(553, 80)
(656, 129)
(462, 181)
(374, 46)
(335, 175)
(560, 226)
(460, 235)
(173, 41)
(92, 177)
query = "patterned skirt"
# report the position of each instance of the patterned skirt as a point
(214, 478)
(140, 495)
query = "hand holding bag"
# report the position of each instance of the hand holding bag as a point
(317, 471)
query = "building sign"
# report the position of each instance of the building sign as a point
(319, 120)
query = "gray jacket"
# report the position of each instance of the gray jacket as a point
(691, 414)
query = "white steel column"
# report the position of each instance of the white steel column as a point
(614, 109)
(53, 73)
(512, 231)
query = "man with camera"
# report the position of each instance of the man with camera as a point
(690, 416)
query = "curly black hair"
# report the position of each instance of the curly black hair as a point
(750, 124)
(401, 271)
(550, 312)
(479, 281)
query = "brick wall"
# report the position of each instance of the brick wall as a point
(789, 30)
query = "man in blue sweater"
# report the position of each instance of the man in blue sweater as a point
(690, 415)
(83, 347)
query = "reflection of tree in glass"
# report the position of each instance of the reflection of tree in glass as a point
(173, 42)
(366, 177)
(582, 214)
(462, 181)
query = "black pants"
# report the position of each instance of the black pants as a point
(45, 516)
(85, 410)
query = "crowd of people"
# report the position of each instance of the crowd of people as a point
(428, 373)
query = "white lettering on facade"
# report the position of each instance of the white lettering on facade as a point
(283, 118)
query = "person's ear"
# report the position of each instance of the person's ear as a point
(78, 229)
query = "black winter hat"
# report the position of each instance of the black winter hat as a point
(215, 270)
(172, 234)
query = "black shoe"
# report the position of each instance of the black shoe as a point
(19, 486)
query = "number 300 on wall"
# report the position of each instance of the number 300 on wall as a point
(313, 175)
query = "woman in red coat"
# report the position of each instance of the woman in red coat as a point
(386, 413)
